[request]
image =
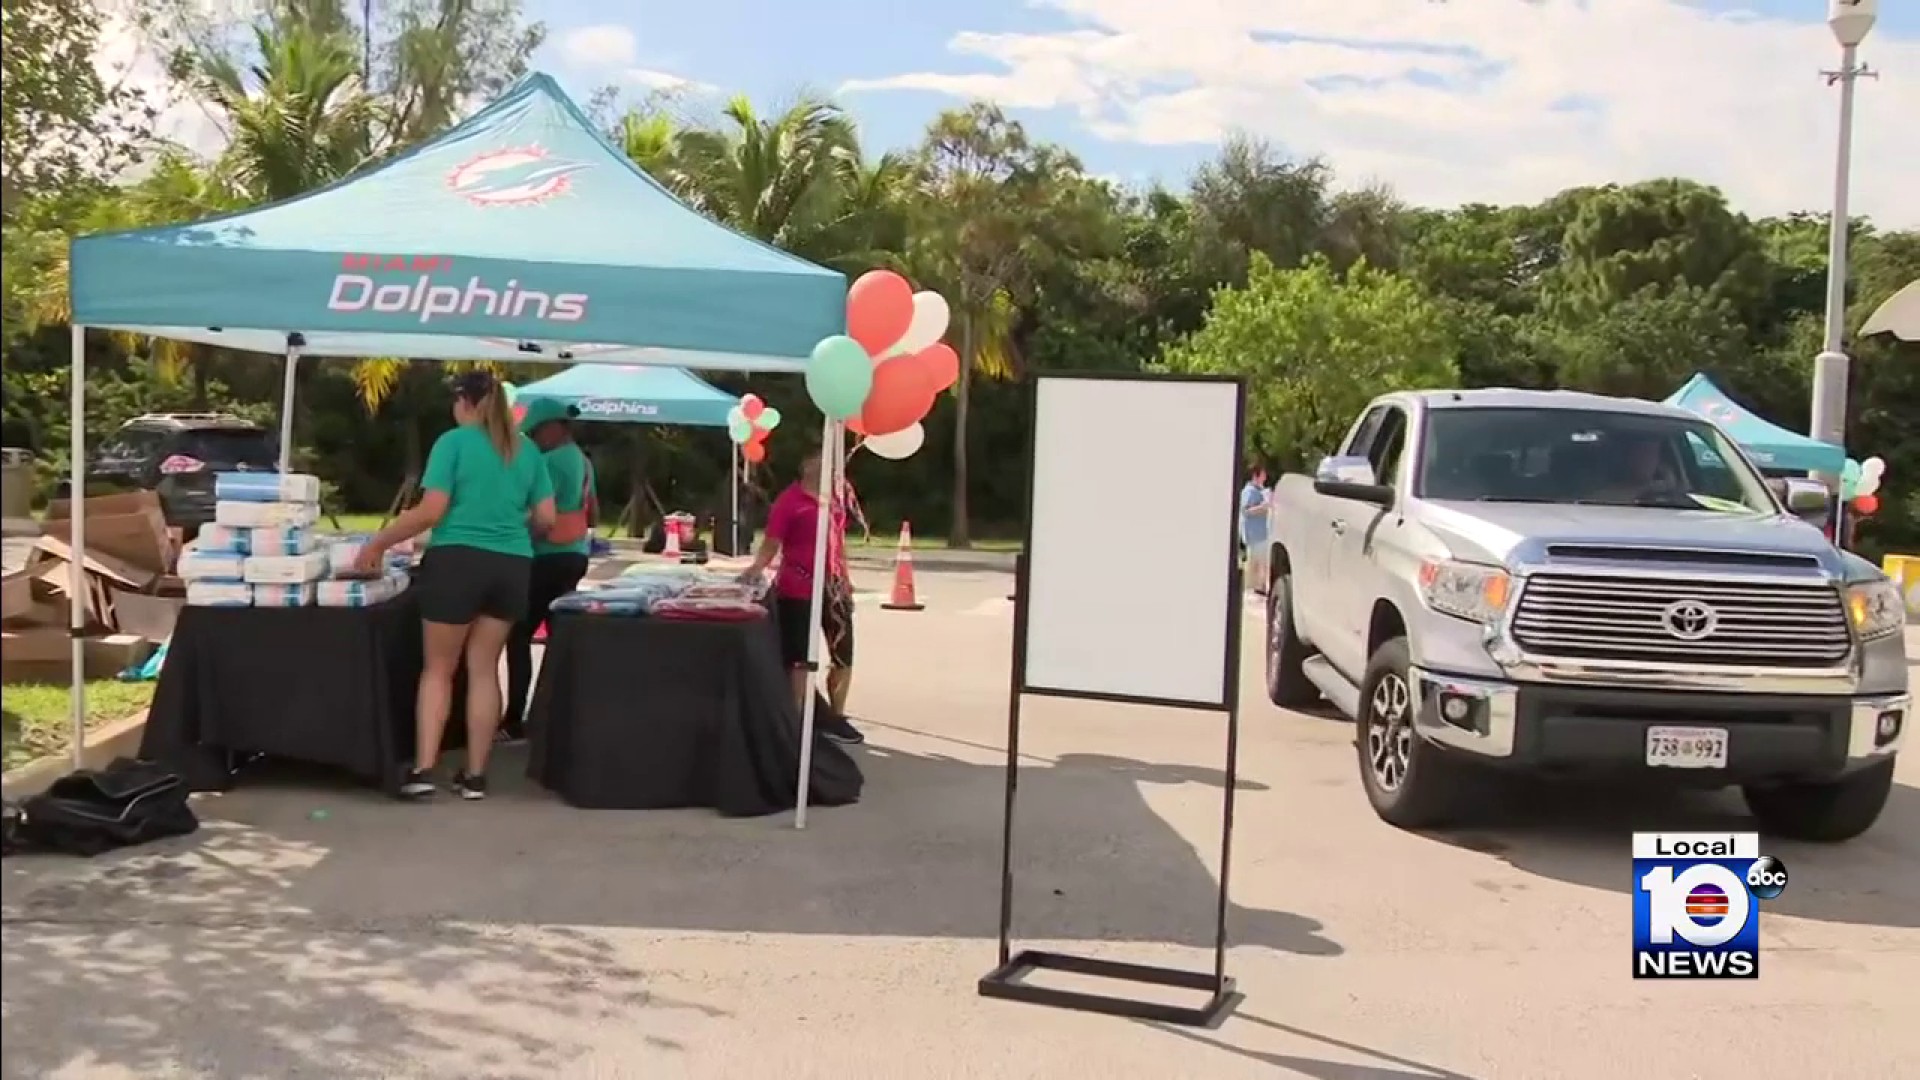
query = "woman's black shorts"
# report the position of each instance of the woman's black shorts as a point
(836, 621)
(458, 584)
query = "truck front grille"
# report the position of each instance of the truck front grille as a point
(1682, 621)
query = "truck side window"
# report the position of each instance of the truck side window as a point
(1389, 439)
(1362, 439)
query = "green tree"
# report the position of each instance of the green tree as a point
(1315, 347)
(60, 122)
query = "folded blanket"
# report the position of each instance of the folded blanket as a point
(266, 487)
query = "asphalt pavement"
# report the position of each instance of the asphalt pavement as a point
(322, 932)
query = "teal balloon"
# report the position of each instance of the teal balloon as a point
(839, 377)
(1850, 481)
(769, 418)
(739, 428)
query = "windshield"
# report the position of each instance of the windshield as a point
(1585, 456)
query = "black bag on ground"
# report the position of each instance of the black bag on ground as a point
(89, 811)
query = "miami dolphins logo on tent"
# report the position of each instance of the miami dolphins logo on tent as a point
(517, 176)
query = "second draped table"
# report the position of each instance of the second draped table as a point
(648, 712)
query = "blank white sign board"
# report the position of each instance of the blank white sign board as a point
(1131, 542)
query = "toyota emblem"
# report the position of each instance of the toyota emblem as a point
(1690, 620)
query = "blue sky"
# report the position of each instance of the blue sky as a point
(1466, 100)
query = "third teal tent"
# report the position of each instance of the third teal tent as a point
(1771, 446)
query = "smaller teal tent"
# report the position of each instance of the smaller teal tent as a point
(1769, 445)
(629, 393)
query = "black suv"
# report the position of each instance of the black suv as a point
(175, 456)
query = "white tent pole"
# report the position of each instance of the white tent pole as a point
(733, 485)
(76, 567)
(286, 410)
(829, 489)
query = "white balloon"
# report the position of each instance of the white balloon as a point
(900, 445)
(1871, 468)
(930, 318)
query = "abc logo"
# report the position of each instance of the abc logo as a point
(1767, 877)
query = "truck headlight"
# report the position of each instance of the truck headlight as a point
(1464, 590)
(1876, 608)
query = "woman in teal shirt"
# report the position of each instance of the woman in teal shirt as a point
(560, 557)
(483, 487)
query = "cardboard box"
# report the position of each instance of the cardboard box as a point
(46, 655)
(136, 537)
(146, 616)
(16, 595)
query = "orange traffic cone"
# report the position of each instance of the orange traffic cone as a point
(671, 527)
(904, 598)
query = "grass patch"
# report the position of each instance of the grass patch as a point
(36, 720)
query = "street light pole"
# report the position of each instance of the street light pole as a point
(1851, 21)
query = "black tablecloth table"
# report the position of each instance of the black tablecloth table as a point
(650, 713)
(325, 686)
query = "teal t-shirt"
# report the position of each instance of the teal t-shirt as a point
(567, 466)
(488, 498)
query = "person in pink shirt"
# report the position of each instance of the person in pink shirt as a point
(792, 530)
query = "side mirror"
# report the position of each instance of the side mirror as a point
(1351, 478)
(1345, 470)
(1806, 498)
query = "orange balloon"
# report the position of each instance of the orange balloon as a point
(939, 365)
(754, 452)
(901, 395)
(879, 310)
(1867, 505)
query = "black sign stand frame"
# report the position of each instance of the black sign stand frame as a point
(1008, 981)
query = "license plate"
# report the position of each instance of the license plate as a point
(1687, 747)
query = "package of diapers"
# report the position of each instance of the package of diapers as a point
(221, 538)
(342, 553)
(281, 540)
(266, 487)
(198, 565)
(282, 595)
(219, 594)
(285, 569)
(264, 515)
(354, 593)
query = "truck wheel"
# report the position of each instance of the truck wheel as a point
(1287, 684)
(1411, 785)
(1825, 812)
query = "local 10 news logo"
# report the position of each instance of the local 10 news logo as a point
(1696, 904)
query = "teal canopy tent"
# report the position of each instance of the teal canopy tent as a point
(519, 233)
(629, 393)
(634, 394)
(1770, 446)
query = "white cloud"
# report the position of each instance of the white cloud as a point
(1475, 100)
(599, 47)
(612, 52)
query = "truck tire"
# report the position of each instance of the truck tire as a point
(1411, 784)
(1824, 812)
(1287, 683)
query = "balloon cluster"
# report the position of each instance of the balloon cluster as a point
(748, 424)
(1860, 485)
(513, 401)
(882, 376)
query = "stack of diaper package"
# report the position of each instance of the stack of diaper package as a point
(263, 551)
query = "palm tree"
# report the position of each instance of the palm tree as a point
(776, 178)
(299, 117)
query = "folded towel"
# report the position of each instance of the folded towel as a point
(266, 487)
(264, 515)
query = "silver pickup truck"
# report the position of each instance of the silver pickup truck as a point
(1553, 581)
